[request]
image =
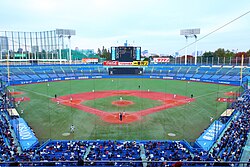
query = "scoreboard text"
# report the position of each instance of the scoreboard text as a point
(126, 53)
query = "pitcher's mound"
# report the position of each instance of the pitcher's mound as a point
(122, 103)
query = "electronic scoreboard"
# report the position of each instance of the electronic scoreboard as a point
(126, 53)
(126, 61)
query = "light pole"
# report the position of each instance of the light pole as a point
(60, 52)
(186, 49)
(70, 58)
(190, 33)
(195, 54)
(61, 34)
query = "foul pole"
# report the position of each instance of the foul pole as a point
(8, 68)
(241, 68)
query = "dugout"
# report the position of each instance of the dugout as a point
(126, 71)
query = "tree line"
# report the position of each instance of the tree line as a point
(219, 53)
(104, 53)
(226, 53)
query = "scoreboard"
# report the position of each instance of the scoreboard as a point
(126, 53)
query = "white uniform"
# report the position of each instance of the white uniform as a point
(72, 129)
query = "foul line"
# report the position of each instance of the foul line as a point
(207, 110)
(41, 94)
(213, 92)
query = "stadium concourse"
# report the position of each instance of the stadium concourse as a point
(230, 147)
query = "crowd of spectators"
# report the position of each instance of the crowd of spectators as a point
(127, 153)
(163, 151)
(8, 147)
(229, 147)
(175, 151)
(115, 150)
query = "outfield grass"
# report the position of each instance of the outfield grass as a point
(50, 120)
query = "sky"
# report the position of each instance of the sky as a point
(152, 24)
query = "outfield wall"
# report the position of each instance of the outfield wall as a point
(236, 83)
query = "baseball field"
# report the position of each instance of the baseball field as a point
(122, 109)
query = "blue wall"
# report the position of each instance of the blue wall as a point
(236, 83)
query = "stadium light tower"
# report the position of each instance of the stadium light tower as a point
(190, 33)
(60, 52)
(65, 33)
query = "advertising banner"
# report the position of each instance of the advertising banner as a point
(24, 134)
(90, 60)
(110, 63)
(161, 60)
(129, 76)
(140, 63)
(207, 139)
(125, 63)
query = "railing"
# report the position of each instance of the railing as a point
(124, 163)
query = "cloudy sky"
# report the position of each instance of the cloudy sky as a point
(152, 24)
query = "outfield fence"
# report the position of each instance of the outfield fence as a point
(236, 83)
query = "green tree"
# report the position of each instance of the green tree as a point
(208, 54)
(104, 53)
(219, 52)
(99, 52)
(229, 53)
(248, 53)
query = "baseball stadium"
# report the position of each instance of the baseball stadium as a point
(63, 107)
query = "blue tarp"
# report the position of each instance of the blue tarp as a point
(24, 134)
(207, 139)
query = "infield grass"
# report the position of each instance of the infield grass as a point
(105, 104)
